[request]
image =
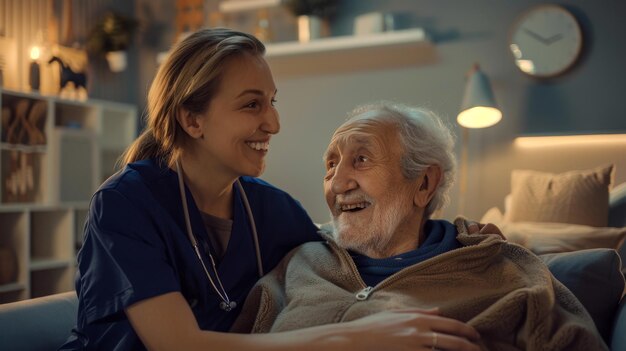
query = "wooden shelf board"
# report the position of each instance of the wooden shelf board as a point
(44, 264)
(4, 288)
(230, 6)
(346, 43)
(23, 147)
(386, 50)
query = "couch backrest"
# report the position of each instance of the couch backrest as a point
(42, 323)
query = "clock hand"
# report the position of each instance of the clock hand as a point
(536, 36)
(554, 38)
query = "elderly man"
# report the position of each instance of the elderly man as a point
(388, 168)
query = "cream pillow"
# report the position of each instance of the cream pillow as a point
(542, 238)
(575, 197)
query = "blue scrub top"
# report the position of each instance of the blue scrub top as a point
(136, 247)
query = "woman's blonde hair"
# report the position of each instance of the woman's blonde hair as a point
(189, 78)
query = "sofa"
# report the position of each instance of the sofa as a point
(591, 268)
(44, 323)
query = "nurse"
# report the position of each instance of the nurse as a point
(175, 240)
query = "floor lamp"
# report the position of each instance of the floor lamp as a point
(478, 110)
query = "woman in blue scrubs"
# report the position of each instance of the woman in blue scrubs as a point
(177, 238)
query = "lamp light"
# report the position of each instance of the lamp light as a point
(478, 110)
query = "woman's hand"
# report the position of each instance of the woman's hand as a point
(395, 331)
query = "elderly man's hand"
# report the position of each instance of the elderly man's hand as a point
(480, 228)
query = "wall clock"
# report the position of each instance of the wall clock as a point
(546, 41)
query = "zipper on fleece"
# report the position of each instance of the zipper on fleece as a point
(364, 294)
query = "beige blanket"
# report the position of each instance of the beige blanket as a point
(501, 289)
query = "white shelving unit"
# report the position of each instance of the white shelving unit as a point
(54, 153)
(350, 53)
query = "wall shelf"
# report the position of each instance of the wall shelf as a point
(11, 287)
(43, 264)
(54, 153)
(351, 53)
(246, 5)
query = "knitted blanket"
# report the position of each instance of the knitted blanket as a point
(503, 290)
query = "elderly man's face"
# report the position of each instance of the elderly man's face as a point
(369, 198)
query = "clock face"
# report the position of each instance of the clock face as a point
(546, 41)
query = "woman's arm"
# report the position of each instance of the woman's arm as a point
(166, 322)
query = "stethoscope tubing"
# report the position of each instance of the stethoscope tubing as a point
(226, 304)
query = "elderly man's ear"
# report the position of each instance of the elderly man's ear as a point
(429, 181)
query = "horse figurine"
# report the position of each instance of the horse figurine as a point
(68, 75)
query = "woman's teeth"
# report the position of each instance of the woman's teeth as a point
(258, 146)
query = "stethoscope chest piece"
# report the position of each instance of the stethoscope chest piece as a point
(228, 306)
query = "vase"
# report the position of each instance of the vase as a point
(117, 60)
(310, 28)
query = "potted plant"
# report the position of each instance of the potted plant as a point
(111, 37)
(312, 16)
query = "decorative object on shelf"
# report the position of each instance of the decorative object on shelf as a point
(34, 75)
(111, 37)
(546, 41)
(189, 17)
(312, 17)
(8, 265)
(374, 22)
(263, 30)
(7, 116)
(478, 110)
(18, 178)
(25, 124)
(67, 75)
(17, 125)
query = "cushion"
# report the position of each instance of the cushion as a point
(595, 279)
(542, 238)
(617, 206)
(576, 197)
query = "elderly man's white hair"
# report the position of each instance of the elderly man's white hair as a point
(426, 140)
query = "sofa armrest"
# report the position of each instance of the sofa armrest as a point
(618, 337)
(42, 323)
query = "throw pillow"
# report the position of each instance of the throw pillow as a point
(594, 277)
(575, 197)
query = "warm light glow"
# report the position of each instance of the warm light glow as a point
(569, 140)
(516, 51)
(479, 117)
(526, 65)
(35, 52)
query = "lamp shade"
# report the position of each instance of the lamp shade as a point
(479, 109)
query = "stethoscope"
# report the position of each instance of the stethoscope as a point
(226, 304)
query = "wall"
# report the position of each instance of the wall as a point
(586, 99)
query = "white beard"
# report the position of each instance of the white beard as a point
(372, 234)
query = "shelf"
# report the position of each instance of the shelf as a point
(46, 183)
(351, 53)
(43, 264)
(400, 38)
(24, 147)
(246, 5)
(11, 287)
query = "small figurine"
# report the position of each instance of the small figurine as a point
(68, 75)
